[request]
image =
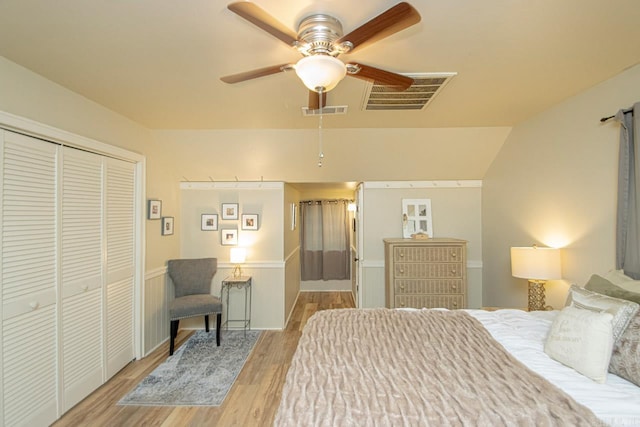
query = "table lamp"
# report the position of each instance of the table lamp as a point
(238, 257)
(537, 265)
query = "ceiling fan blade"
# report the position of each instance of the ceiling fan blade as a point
(262, 19)
(314, 100)
(395, 19)
(254, 74)
(387, 78)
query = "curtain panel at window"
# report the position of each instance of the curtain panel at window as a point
(628, 215)
(324, 236)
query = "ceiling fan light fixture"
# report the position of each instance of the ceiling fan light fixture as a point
(320, 71)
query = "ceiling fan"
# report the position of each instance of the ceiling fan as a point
(320, 40)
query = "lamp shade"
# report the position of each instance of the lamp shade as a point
(536, 263)
(320, 71)
(238, 255)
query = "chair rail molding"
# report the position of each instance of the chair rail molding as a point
(423, 184)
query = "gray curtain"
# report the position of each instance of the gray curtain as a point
(324, 235)
(628, 217)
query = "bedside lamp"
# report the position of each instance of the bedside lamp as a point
(537, 265)
(238, 257)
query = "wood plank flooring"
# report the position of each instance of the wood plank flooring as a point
(252, 401)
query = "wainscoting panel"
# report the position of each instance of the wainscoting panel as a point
(292, 282)
(156, 297)
(372, 285)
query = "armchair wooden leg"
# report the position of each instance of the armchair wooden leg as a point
(173, 334)
(206, 322)
(218, 323)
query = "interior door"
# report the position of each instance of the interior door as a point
(359, 242)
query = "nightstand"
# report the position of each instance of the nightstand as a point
(240, 283)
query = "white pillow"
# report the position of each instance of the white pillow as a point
(621, 310)
(582, 340)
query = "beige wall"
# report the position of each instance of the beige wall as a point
(350, 154)
(456, 213)
(327, 193)
(265, 246)
(554, 183)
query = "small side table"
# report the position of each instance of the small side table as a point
(238, 282)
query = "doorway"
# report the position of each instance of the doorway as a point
(332, 191)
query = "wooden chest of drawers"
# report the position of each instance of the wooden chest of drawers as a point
(426, 273)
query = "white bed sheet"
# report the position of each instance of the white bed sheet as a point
(616, 402)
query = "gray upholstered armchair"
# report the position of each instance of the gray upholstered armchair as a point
(192, 282)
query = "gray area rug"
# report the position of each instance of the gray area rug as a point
(198, 373)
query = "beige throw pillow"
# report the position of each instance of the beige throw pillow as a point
(621, 310)
(582, 340)
(618, 278)
(625, 359)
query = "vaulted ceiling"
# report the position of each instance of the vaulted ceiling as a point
(159, 62)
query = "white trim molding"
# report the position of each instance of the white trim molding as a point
(232, 185)
(152, 274)
(423, 184)
(259, 264)
(40, 130)
(292, 254)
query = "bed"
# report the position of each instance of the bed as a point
(382, 367)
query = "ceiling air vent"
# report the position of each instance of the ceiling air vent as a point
(328, 110)
(416, 97)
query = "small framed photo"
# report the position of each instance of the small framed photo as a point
(209, 222)
(154, 209)
(249, 221)
(230, 237)
(167, 225)
(229, 211)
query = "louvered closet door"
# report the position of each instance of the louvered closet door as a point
(82, 326)
(120, 261)
(28, 280)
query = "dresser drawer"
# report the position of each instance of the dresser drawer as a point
(424, 271)
(428, 254)
(452, 302)
(421, 286)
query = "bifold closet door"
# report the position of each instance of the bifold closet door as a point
(82, 275)
(28, 280)
(120, 263)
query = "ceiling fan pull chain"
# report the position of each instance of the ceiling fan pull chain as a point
(320, 151)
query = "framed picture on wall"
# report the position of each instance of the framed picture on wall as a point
(209, 222)
(167, 225)
(249, 221)
(229, 211)
(229, 237)
(154, 209)
(416, 217)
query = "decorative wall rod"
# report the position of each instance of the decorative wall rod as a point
(604, 119)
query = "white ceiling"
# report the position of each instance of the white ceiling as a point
(158, 62)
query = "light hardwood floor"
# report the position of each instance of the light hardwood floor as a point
(252, 401)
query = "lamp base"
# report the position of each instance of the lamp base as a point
(536, 295)
(237, 272)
